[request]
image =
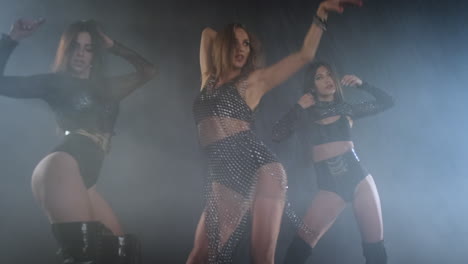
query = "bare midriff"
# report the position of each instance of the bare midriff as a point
(329, 150)
(213, 129)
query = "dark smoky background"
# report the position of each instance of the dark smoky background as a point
(153, 177)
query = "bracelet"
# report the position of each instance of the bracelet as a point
(320, 22)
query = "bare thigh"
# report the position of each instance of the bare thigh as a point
(267, 211)
(58, 187)
(320, 216)
(367, 210)
(103, 212)
(199, 253)
(230, 208)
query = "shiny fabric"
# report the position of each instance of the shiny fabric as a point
(88, 155)
(88, 104)
(236, 162)
(339, 130)
(81, 106)
(224, 101)
(340, 174)
(293, 119)
(79, 242)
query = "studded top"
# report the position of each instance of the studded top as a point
(88, 104)
(338, 130)
(238, 165)
(223, 101)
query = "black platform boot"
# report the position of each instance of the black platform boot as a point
(298, 251)
(375, 253)
(121, 249)
(79, 242)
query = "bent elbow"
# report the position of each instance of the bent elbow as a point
(150, 72)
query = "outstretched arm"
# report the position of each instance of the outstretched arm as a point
(269, 77)
(123, 85)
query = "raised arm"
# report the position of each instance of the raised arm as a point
(382, 102)
(20, 86)
(123, 85)
(206, 45)
(287, 125)
(274, 75)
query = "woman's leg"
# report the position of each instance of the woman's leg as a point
(199, 253)
(103, 213)
(228, 209)
(58, 187)
(267, 212)
(368, 213)
(321, 214)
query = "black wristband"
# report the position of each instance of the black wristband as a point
(320, 22)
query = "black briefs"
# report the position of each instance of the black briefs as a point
(340, 174)
(88, 154)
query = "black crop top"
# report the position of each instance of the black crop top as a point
(339, 130)
(89, 104)
(223, 101)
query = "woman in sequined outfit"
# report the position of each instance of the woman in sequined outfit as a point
(86, 105)
(327, 120)
(245, 180)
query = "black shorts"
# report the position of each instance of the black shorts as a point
(88, 154)
(340, 174)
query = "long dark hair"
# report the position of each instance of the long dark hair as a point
(223, 46)
(67, 42)
(310, 80)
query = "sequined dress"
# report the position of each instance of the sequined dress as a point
(236, 159)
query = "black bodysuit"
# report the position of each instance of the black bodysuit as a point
(84, 108)
(339, 174)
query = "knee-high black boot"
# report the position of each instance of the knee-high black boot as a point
(79, 242)
(298, 251)
(121, 249)
(375, 253)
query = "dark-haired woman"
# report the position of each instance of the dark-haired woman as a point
(341, 178)
(245, 180)
(86, 105)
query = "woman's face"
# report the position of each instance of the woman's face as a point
(81, 55)
(324, 84)
(241, 50)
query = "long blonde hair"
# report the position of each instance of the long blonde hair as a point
(223, 45)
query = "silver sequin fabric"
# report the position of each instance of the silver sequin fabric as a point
(239, 165)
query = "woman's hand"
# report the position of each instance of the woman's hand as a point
(351, 80)
(107, 41)
(24, 28)
(334, 6)
(306, 101)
